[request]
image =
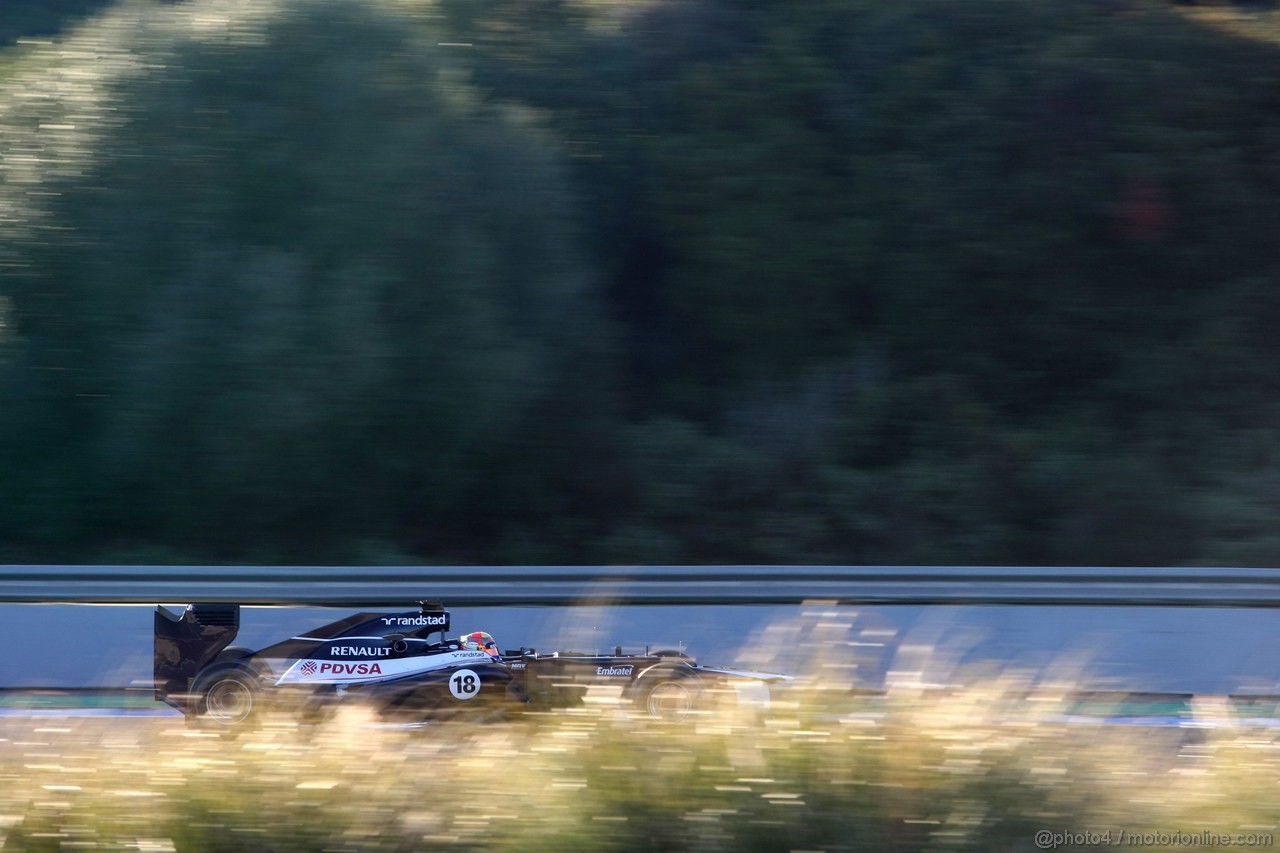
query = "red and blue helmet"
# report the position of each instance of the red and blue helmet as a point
(480, 641)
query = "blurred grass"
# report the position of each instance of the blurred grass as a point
(824, 768)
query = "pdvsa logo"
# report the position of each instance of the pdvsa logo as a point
(351, 668)
(333, 668)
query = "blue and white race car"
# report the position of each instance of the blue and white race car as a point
(408, 668)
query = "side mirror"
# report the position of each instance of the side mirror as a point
(398, 644)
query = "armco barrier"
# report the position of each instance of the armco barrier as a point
(459, 586)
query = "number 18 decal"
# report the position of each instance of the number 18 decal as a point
(464, 684)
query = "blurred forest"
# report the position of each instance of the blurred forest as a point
(579, 281)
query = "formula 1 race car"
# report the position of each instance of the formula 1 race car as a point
(392, 660)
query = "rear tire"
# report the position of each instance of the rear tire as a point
(227, 698)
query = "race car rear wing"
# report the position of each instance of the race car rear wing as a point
(186, 642)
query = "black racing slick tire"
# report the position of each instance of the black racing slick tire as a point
(227, 698)
(669, 696)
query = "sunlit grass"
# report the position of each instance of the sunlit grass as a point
(981, 768)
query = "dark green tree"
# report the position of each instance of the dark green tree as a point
(1037, 238)
(278, 281)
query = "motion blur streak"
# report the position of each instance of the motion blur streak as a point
(823, 765)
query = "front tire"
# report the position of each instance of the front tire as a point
(227, 698)
(670, 697)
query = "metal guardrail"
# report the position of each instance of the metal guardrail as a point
(391, 586)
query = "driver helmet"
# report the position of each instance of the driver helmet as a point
(480, 641)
